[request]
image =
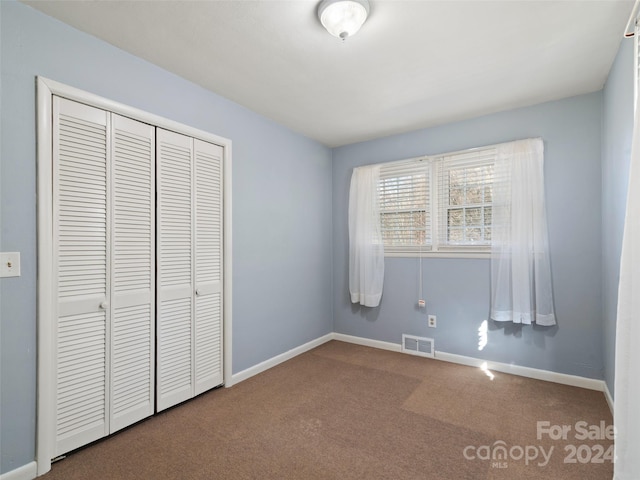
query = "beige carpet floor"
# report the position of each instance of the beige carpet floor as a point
(344, 411)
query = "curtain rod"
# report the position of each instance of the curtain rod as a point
(422, 158)
(632, 20)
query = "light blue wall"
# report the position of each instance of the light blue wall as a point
(617, 130)
(281, 204)
(457, 290)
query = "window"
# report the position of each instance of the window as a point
(438, 204)
(464, 198)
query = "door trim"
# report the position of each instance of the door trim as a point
(46, 89)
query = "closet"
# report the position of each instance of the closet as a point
(137, 270)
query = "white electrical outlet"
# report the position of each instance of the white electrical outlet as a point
(9, 264)
(432, 321)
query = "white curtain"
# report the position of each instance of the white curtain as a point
(627, 384)
(520, 267)
(366, 251)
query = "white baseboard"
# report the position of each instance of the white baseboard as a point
(25, 472)
(546, 375)
(607, 395)
(272, 362)
(367, 342)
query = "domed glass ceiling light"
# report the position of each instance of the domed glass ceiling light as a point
(343, 18)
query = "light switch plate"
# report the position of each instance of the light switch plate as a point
(9, 264)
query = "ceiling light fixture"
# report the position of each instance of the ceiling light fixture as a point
(343, 18)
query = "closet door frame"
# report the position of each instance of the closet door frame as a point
(46, 89)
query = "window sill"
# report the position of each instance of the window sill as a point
(440, 254)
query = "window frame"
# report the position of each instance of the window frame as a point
(437, 213)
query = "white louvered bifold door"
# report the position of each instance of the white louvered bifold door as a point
(208, 266)
(174, 268)
(189, 252)
(133, 274)
(81, 260)
(104, 262)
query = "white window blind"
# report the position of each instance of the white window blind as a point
(405, 205)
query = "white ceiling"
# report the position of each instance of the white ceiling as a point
(414, 64)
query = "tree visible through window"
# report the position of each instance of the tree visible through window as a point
(468, 205)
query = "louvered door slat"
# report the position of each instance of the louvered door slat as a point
(81, 259)
(208, 342)
(175, 269)
(208, 263)
(133, 274)
(174, 349)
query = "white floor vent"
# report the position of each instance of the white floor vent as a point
(421, 346)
